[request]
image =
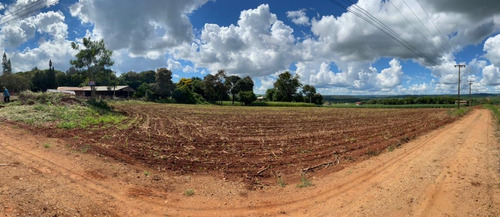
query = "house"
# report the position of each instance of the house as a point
(462, 102)
(261, 98)
(101, 91)
(359, 103)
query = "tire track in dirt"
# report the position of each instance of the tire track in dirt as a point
(55, 169)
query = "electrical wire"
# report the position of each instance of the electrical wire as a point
(430, 33)
(442, 36)
(24, 11)
(415, 28)
(372, 20)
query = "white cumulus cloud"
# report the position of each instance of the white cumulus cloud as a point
(298, 17)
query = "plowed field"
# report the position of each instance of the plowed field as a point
(251, 143)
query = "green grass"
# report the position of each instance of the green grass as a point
(458, 112)
(85, 148)
(352, 105)
(46, 145)
(304, 183)
(495, 111)
(62, 116)
(189, 192)
(281, 183)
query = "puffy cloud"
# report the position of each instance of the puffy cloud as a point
(491, 76)
(52, 23)
(259, 45)
(299, 17)
(391, 77)
(146, 29)
(265, 83)
(173, 65)
(355, 76)
(492, 49)
(15, 34)
(59, 51)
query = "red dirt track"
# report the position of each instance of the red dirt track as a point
(239, 142)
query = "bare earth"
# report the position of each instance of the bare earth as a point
(452, 171)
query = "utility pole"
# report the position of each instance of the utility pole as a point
(470, 93)
(459, 66)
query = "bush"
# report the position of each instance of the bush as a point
(30, 98)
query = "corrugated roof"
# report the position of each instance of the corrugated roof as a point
(97, 88)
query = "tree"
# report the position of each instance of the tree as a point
(94, 57)
(50, 77)
(270, 94)
(213, 87)
(7, 67)
(231, 85)
(309, 92)
(285, 87)
(317, 99)
(245, 84)
(164, 85)
(247, 97)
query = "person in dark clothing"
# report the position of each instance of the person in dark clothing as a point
(6, 95)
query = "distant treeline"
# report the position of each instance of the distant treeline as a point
(481, 98)
(414, 100)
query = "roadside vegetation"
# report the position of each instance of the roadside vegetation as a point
(62, 111)
(495, 110)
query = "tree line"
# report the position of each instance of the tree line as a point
(92, 60)
(414, 100)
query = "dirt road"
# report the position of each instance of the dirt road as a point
(453, 171)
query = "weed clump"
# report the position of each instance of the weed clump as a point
(189, 192)
(304, 183)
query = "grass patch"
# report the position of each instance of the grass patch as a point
(495, 111)
(46, 145)
(85, 149)
(391, 148)
(458, 112)
(189, 192)
(62, 116)
(304, 183)
(281, 183)
(147, 173)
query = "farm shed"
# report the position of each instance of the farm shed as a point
(101, 91)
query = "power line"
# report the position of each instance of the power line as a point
(414, 49)
(441, 34)
(372, 20)
(415, 28)
(430, 33)
(19, 13)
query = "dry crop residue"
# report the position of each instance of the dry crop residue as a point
(255, 144)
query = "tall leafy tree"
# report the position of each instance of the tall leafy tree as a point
(286, 86)
(213, 87)
(231, 85)
(6, 65)
(309, 92)
(164, 85)
(245, 84)
(94, 57)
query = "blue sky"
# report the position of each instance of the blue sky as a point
(330, 48)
